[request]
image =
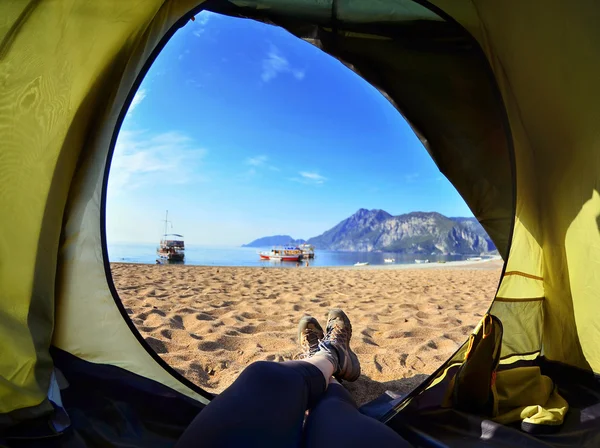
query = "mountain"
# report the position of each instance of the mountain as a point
(411, 233)
(275, 240)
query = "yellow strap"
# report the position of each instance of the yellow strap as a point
(470, 347)
(485, 335)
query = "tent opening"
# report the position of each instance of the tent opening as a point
(226, 133)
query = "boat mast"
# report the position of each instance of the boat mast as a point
(166, 222)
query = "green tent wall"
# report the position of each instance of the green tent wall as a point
(504, 96)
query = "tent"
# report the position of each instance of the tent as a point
(504, 95)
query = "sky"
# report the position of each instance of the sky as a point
(242, 130)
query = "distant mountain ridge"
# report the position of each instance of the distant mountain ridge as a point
(410, 233)
(275, 240)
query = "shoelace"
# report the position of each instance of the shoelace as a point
(310, 344)
(338, 334)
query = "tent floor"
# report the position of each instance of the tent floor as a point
(431, 426)
(109, 406)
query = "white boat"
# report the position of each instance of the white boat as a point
(474, 259)
(308, 250)
(421, 261)
(282, 254)
(389, 260)
(366, 263)
(171, 245)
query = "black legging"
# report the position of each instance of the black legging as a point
(266, 405)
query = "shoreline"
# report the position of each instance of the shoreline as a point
(490, 263)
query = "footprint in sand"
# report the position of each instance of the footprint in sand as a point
(368, 332)
(248, 329)
(217, 346)
(166, 333)
(176, 322)
(157, 345)
(402, 359)
(369, 341)
(416, 363)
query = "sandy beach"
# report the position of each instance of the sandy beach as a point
(211, 322)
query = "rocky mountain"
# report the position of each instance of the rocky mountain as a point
(411, 233)
(275, 240)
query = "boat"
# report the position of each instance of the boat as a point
(421, 261)
(389, 260)
(366, 263)
(308, 250)
(172, 246)
(282, 254)
(474, 259)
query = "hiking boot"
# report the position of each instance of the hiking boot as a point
(309, 335)
(336, 346)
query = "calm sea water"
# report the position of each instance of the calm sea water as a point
(246, 256)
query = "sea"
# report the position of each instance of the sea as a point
(197, 255)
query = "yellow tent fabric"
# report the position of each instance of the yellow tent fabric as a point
(519, 97)
(525, 395)
(544, 57)
(67, 68)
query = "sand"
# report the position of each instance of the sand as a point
(211, 322)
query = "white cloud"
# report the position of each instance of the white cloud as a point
(311, 178)
(259, 162)
(141, 159)
(200, 22)
(275, 63)
(137, 99)
(204, 17)
(256, 161)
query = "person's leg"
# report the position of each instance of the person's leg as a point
(336, 421)
(264, 407)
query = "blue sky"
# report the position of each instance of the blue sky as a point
(241, 130)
